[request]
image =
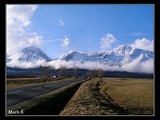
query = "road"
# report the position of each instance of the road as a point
(18, 95)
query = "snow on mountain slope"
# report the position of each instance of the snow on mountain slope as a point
(28, 57)
(122, 58)
(30, 54)
(120, 55)
(122, 50)
(75, 56)
(33, 54)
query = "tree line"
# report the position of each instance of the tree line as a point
(46, 73)
(63, 73)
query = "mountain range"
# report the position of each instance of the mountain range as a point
(119, 56)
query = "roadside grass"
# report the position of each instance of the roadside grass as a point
(48, 104)
(135, 95)
(106, 96)
(69, 78)
(89, 101)
(112, 96)
(21, 82)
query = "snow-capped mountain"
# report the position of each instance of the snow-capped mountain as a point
(123, 58)
(118, 56)
(29, 54)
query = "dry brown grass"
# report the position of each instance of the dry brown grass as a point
(135, 95)
(113, 96)
(89, 101)
(21, 82)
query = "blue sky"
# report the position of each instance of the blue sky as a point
(58, 29)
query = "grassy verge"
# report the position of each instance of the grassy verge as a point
(115, 96)
(48, 104)
(21, 82)
(70, 78)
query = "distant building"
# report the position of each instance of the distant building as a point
(55, 76)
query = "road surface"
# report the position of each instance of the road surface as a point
(18, 95)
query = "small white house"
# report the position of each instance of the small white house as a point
(55, 76)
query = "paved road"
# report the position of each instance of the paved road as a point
(18, 95)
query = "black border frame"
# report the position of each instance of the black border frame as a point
(156, 21)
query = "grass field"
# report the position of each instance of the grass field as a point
(135, 95)
(20, 82)
(112, 96)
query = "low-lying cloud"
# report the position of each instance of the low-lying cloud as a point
(138, 66)
(134, 66)
(18, 64)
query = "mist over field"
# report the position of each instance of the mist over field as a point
(134, 66)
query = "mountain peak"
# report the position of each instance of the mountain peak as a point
(30, 48)
(119, 55)
(33, 54)
(123, 50)
(124, 47)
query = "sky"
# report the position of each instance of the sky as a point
(60, 28)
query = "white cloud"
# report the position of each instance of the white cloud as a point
(61, 22)
(134, 66)
(52, 40)
(136, 34)
(107, 41)
(66, 42)
(18, 18)
(16, 63)
(143, 43)
(19, 15)
(63, 42)
(137, 66)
